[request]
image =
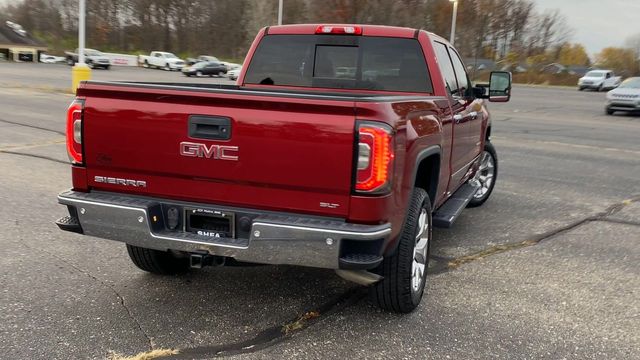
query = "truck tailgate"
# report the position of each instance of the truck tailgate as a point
(283, 152)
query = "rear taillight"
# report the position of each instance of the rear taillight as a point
(345, 30)
(374, 158)
(74, 131)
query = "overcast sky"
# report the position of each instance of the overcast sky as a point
(597, 23)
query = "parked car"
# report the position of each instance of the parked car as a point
(228, 65)
(233, 74)
(599, 80)
(209, 68)
(624, 98)
(51, 59)
(293, 165)
(192, 61)
(231, 66)
(162, 60)
(93, 58)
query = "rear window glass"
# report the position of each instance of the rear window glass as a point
(340, 62)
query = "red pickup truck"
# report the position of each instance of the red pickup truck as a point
(340, 147)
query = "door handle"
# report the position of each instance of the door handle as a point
(209, 127)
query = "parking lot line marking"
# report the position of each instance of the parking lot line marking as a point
(32, 145)
(577, 146)
(32, 126)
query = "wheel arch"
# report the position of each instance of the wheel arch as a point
(426, 173)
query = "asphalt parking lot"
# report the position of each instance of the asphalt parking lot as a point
(547, 268)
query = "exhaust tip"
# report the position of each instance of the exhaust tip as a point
(361, 277)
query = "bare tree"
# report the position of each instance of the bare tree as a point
(486, 28)
(633, 42)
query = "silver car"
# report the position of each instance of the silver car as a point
(624, 98)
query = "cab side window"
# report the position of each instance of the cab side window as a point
(464, 88)
(446, 67)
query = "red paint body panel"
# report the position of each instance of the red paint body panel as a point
(79, 178)
(295, 150)
(292, 154)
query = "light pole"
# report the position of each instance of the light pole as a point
(80, 70)
(453, 21)
(280, 6)
(81, 31)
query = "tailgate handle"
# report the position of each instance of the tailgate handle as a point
(209, 127)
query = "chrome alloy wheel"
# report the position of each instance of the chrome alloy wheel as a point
(484, 175)
(418, 267)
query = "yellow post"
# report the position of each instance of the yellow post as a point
(79, 72)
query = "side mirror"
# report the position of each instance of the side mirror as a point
(500, 86)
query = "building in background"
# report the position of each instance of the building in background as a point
(17, 45)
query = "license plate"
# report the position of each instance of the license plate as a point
(210, 223)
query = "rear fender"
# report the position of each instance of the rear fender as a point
(432, 188)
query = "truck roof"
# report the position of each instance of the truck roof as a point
(367, 30)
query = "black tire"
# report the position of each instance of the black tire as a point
(609, 111)
(580, 88)
(489, 150)
(601, 88)
(198, 73)
(70, 62)
(146, 64)
(157, 262)
(167, 67)
(396, 291)
(107, 67)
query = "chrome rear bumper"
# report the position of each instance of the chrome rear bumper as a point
(273, 238)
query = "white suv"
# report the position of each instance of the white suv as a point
(599, 80)
(625, 98)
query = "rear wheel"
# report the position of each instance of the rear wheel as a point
(485, 176)
(199, 73)
(167, 67)
(156, 261)
(609, 111)
(405, 271)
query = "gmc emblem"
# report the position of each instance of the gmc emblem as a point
(218, 152)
